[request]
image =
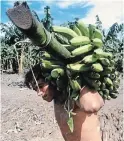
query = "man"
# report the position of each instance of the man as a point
(86, 122)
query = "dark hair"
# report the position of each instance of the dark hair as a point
(29, 78)
(59, 97)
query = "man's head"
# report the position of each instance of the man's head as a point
(35, 80)
(47, 90)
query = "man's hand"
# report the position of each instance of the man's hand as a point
(90, 100)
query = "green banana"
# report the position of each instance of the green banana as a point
(117, 73)
(108, 70)
(48, 66)
(94, 75)
(104, 61)
(78, 67)
(94, 33)
(101, 93)
(118, 80)
(52, 62)
(116, 84)
(108, 81)
(115, 91)
(55, 73)
(97, 34)
(113, 76)
(79, 40)
(76, 30)
(90, 59)
(65, 31)
(105, 96)
(103, 86)
(106, 92)
(108, 97)
(111, 88)
(98, 83)
(75, 85)
(97, 67)
(98, 89)
(93, 83)
(91, 31)
(103, 54)
(99, 52)
(112, 62)
(82, 50)
(83, 28)
(47, 56)
(97, 42)
(113, 95)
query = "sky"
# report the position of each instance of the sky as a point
(109, 11)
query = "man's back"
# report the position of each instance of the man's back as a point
(86, 126)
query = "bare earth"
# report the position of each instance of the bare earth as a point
(26, 117)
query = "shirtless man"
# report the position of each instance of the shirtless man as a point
(86, 121)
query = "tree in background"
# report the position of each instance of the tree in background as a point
(48, 20)
(113, 41)
(98, 23)
(17, 51)
(8, 51)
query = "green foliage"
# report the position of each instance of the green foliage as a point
(15, 45)
(114, 42)
(47, 21)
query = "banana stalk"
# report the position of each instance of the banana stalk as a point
(69, 47)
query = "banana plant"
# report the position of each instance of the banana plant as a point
(14, 48)
(113, 41)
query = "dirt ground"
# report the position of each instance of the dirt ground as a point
(26, 117)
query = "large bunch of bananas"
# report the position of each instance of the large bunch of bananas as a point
(89, 64)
